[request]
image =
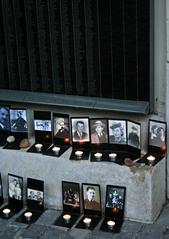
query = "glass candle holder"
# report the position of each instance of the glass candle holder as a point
(38, 147)
(87, 222)
(79, 154)
(28, 216)
(151, 159)
(6, 212)
(112, 156)
(56, 150)
(110, 224)
(98, 156)
(67, 218)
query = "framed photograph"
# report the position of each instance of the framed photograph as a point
(42, 125)
(91, 197)
(115, 197)
(18, 120)
(61, 129)
(80, 129)
(33, 194)
(71, 194)
(99, 131)
(4, 118)
(117, 131)
(157, 133)
(15, 187)
(133, 134)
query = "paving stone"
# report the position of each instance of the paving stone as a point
(131, 227)
(163, 219)
(48, 217)
(77, 233)
(153, 231)
(33, 232)
(53, 233)
(10, 232)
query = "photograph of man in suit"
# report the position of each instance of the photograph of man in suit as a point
(90, 202)
(80, 131)
(4, 119)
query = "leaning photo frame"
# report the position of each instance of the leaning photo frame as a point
(117, 131)
(15, 187)
(99, 131)
(157, 131)
(80, 130)
(134, 134)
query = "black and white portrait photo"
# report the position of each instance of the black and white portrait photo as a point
(117, 131)
(4, 118)
(42, 125)
(15, 187)
(18, 120)
(115, 197)
(157, 133)
(80, 130)
(71, 194)
(91, 197)
(133, 133)
(33, 194)
(98, 131)
(61, 127)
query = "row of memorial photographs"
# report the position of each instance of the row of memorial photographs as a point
(15, 189)
(115, 195)
(96, 131)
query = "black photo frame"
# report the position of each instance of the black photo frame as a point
(91, 198)
(4, 123)
(15, 196)
(71, 204)
(1, 191)
(80, 143)
(35, 201)
(43, 132)
(157, 136)
(134, 138)
(114, 208)
(18, 126)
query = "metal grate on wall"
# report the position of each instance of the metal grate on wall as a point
(97, 48)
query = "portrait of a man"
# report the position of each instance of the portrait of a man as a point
(98, 131)
(4, 118)
(18, 120)
(61, 127)
(80, 130)
(91, 194)
(157, 133)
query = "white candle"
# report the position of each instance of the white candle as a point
(110, 224)
(112, 156)
(79, 153)
(38, 147)
(151, 159)
(6, 212)
(98, 156)
(56, 150)
(87, 221)
(28, 216)
(67, 217)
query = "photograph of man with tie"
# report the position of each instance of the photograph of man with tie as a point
(80, 129)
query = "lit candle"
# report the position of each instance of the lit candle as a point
(98, 156)
(87, 221)
(56, 150)
(112, 156)
(28, 216)
(79, 153)
(67, 217)
(110, 224)
(6, 212)
(38, 147)
(151, 159)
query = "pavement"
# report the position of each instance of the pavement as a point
(43, 228)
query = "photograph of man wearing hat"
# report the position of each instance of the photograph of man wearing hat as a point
(99, 131)
(133, 134)
(117, 132)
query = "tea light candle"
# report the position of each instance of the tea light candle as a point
(38, 147)
(79, 153)
(28, 216)
(98, 156)
(151, 159)
(112, 156)
(87, 221)
(67, 217)
(6, 212)
(56, 150)
(110, 224)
